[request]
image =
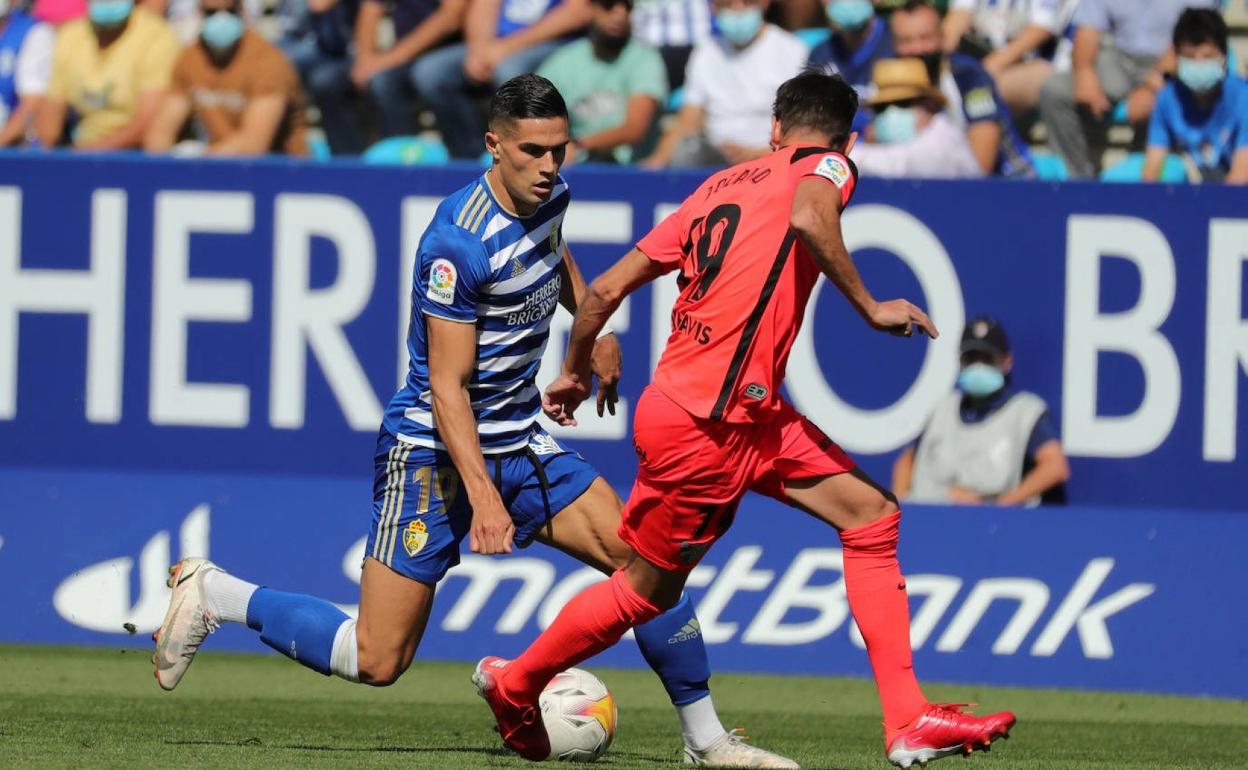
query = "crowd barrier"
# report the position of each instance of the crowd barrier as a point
(195, 356)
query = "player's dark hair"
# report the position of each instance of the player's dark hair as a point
(817, 101)
(526, 96)
(1200, 25)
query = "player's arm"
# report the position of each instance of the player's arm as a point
(452, 360)
(1051, 469)
(816, 218)
(601, 299)
(606, 361)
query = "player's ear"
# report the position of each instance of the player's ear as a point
(849, 144)
(493, 145)
(776, 135)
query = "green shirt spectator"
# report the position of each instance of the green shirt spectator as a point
(613, 87)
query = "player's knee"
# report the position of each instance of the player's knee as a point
(873, 508)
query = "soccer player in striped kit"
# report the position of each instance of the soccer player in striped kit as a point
(460, 451)
(749, 245)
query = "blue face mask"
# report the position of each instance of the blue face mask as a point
(221, 30)
(980, 379)
(739, 27)
(1201, 75)
(895, 125)
(850, 14)
(109, 13)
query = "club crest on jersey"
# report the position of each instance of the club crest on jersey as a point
(554, 239)
(834, 169)
(415, 537)
(442, 282)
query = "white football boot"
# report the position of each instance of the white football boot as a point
(187, 623)
(732, 751)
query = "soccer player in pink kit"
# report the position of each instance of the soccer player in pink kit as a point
(750, 244)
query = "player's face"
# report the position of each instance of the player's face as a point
(527, 155)
(916, 33)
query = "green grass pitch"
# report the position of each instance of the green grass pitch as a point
(73, 707)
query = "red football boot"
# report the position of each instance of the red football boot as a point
(942, 730)
(521, 726)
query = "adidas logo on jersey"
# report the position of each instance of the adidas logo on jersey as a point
(690, 630)
(517, 267)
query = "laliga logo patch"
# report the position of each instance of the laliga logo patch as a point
(441, 282)
(834, 169)
(415, 537)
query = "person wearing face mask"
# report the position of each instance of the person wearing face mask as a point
(1203, 113)
(25, 65)
(1121, 52)
(859, 39)
(972, 100)
(912, 136)
(241, 91)
(113, 67)
(986, 442)
(613, 86)
(730, 84)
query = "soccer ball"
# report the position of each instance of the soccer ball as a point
(580, 716)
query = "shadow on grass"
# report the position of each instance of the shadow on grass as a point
(248, 742)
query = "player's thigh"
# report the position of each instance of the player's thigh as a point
(394, 610)
(844, 500)
(588, 529)
(805, 468)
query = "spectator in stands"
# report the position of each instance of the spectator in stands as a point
(729, 89)
(673, 27)
(25, 65)
(971, 97)
(316, 36)
(57, 12)
(613, 85)
(913, 137)
(1132, 66)
(242, 92)
(859, 39)
(389, 76)
(986, 443)
(113, 69)
(504, 38)
(1204, 113)
(1016, 40)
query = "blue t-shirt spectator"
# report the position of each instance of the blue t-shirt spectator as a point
(1210, 137)
(834, 56)
(973, 98)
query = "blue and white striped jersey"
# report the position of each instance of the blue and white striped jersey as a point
(479, 264)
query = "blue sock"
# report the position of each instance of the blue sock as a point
(300, 627)
(672, 645)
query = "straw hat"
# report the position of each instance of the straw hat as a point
(898, 80)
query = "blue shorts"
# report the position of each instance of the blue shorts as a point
(421, 512)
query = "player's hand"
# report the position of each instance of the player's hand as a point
(605, 362)
(492, 528)
(964, 496)
(899, 317)
(1090, 93)
(563, 396)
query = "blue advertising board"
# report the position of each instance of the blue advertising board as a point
(198, 354)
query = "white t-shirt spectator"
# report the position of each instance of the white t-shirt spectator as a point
(939, 151)
(737, 87)
(661, 23)
(1000, 20)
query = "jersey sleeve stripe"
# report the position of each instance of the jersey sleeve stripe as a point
(448, 318)
(472, 200)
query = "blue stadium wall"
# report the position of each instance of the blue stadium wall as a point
(194, 357)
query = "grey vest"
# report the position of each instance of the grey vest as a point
(985, 457)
